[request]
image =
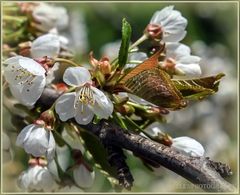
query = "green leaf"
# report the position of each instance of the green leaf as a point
(126, 35)
(98, 152)
(196, 89)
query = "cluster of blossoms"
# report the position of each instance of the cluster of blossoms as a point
(83, 98)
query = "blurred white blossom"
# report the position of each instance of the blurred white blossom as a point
(50, 17)
(26, 79)
(85, 102)
(37, 178)
(45, 45)
(180, 61)
(37, 140)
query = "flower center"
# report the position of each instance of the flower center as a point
(169, 63)
(85, 96)
(23, 76)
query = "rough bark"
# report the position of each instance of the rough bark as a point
(201, 171)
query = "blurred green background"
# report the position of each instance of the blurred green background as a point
(212, 34)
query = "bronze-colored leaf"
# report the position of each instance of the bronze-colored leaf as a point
(155, 86)
(150, 63)
(198, 88)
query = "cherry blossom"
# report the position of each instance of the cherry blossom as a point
(172, 24)
(86, 101)
(50, 17)
(46, 45)
(26, 79)
(179, 61)
(37, 140)
(37, 178)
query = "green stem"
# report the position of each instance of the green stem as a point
(141, 107)
(137, 127)
(138, 42)
(66, 61)
(119, 120)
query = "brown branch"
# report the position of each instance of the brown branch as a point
(201, 171)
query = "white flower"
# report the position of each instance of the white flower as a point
(45, 45)
(85, 101)
(83, 177)
(172, 24)
(179, 59)
(188, 145)
(26, 79)
(37, 178)
(37, 140)
(50, 17)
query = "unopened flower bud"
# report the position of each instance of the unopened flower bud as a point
(105, 66)
(125, 109)
(154, 31)
(61, 87)
(92, 60)
(49, 118)
(37, 161)
(37, 141)
(24, 48)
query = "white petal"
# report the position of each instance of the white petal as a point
(63, 157)
(103, 106)
(37, 142)
(29, 94)
(52, 167)
(51, 147)
(19, 62)
(76, 76)
(188, 145)
(24, 180)
(174, 37)
(191, 70)
(24, 134)
(83, 177)
(32, 66)
(45, 45)
(65, 106)
(158, 16)
(84, 114)
(189, 59)
(177, 50)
